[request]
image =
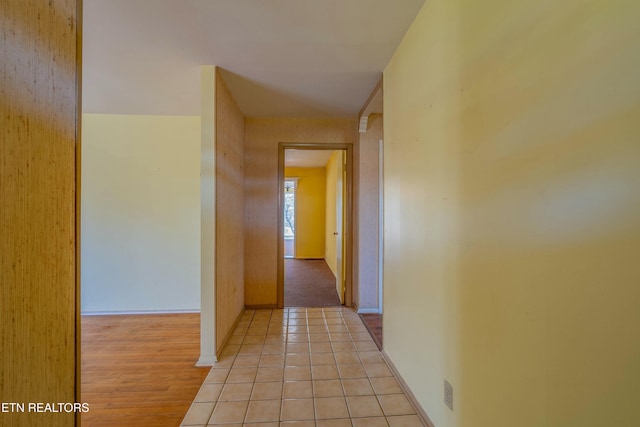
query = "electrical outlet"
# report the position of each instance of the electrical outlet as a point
(448, 394)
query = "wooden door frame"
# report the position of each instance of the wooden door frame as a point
(348, 216)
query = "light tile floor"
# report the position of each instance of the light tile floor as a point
(301, 367)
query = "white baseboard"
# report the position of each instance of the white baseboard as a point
(369, 311)
(408, 393)
(110, 313)
(205, 361)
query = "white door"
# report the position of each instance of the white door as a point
(340, 227)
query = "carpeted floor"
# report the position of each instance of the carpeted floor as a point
(309, 283)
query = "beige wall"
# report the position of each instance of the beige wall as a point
(229, 145)
(261, 184)
(512, 168)
(309, 211)
(366, 289)
(140, 204)
(39, 80)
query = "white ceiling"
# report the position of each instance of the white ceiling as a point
(286, 58)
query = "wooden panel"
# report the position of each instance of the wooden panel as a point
(38, 122)
(261, 189)
(139, 369)
(229, 211)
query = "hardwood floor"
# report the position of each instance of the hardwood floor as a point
(139, 370)
(373, 323)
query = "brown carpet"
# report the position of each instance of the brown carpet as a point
(309, 283)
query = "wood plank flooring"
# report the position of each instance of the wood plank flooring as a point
(373, 323)
(139, 370)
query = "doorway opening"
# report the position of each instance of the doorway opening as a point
(314, 225)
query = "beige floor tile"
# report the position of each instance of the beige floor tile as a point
(371, 357)
(274, 348)
(324, 372)
(297, 329)
(297, 410)
(297, 373)
(363, 406)
(297, 390)
(271, 360)
(263, 411)
(250, 349)
(361, 336)
(385, 385)
(331, 407)
(317, 329)
(357, 387)
(270, 374)
(319, 338)
(217, 375)
(236, 340)
(337, 328)
(334, 321)
(224, 362)
(209, 392)
(236, 392)
(198, 413)
(352, 371)
(314, 321)
(370, 422)
(297, 338)
(228, 412)
(261, 331)
(395, 404)
(327, 388)
(340, 336)
(405, 421)
(297, 347)
(334, 423)
(275, 339)
(322, 359)
(248, 340)
(377, 370)
(242, 375)
(366, 346)
(267, 390)
(321, 347)
(297, 359)
(272, 424)
(297, 424)
(347, 358)
(341, 346)
(246, 361)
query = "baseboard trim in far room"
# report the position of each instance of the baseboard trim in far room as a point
(369, 311)
(408, 393)
(261, 307)
(118, 312)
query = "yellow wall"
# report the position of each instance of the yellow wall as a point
(512, 231)
(262, 136)
(309, 211)
(140, 205)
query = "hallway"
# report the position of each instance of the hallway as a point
(309, 283)
(301, 367)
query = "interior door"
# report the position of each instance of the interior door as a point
(339, 233)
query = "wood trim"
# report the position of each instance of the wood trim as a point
(348, 242)
(262, 307)
(229, 335)
(422, 414)
(78, 204)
